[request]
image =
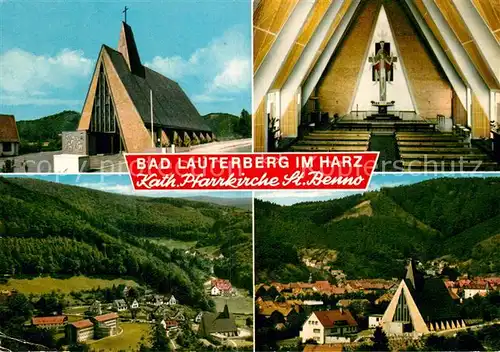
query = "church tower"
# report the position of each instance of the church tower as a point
(131, 108)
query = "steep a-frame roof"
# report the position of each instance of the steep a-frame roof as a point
(171, 106)
(434, 301)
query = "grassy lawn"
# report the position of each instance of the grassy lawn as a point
(127, 341)
(289, 342)
(241, 305)
(41, 285)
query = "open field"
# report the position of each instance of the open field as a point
(170, 243)
(127, 341)
(173, 243)
(236, 305)
(41, 285)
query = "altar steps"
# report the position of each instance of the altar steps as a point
(333, 141)
(440, 152)
(383, 126)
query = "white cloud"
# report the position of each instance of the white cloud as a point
(223, 66)
(207, 98)
(26, 78)
(234, 76)
(109, 187)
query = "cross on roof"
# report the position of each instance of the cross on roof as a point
(125, 12)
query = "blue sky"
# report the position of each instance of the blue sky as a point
(48, 50)
(121, 183)
(378, 181)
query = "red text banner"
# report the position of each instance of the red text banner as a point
(343, 171)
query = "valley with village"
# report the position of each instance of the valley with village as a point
(86, 270)
(402, 268)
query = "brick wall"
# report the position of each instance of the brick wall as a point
(338, 84)
(430, 87)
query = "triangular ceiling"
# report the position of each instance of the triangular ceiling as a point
(454, 20)
(368, 90)
(424, 80)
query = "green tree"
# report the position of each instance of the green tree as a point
(8, 166)
(380, 340)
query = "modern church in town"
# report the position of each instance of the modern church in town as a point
(412, 79)
(131, 108)
(421, 306)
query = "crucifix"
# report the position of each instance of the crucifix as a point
(125, 12)
(382, 65)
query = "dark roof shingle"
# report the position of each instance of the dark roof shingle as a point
(171, 106)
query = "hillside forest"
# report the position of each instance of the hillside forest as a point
(44, 134)
(373, 234)
(59, 230)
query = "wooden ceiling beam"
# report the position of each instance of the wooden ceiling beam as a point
(320, 63)
(453, 76)
(487, 44)
(460, 55)
(272, 62)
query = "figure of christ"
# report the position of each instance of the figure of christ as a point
(382, 63)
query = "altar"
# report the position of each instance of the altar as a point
(382, 72)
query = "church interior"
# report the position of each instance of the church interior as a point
(416, 80)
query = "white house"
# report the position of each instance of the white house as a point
(134, 304)
(221, 287)
(171, 301)
(374, 320)
(333, 326)
(198, 317)
(475, 289)
(120, 305)
(156, 300)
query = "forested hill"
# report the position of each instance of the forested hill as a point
(49, 127)
(49, 228)
(227, 126)
(375, 233)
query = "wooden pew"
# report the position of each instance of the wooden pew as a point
(458, 157)
(340, 133)
(333, 137)
(334, 142)
(428, 139)
(312, 148)
(431, 144)
(431, 150)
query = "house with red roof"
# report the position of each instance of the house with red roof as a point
(105, 325)
(80, 331)
(52, 322)
(330, 326)
(221, 287)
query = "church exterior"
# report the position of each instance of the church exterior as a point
(124, 97)
(420, 306)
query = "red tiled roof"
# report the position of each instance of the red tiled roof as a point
(106, 317)
(328, 318)
(8, 129)
(55, 320)
(323, 348)
(322, 285)
(81, 324)
(221, 284)
(170, 323)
